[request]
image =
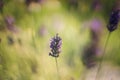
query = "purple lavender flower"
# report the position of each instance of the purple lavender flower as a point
(42, 31)
(10, 21)
(113, 21)
(55, 46)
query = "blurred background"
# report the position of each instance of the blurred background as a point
(27, 26)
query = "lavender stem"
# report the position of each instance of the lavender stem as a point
(102, 57)
(57, 68)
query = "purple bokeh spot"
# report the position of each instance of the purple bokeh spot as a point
(96, 25)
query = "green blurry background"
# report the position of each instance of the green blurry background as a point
(27, 26)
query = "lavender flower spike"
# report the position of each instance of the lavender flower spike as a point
(55, 46)
(113, 21)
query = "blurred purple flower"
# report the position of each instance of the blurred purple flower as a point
(42, 31)
(9, 20)
(113, 20)
(92, 49)
(96, 25)
(89, 54)
(96, 5)
(55, 46)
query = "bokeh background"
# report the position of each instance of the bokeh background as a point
(27, 26)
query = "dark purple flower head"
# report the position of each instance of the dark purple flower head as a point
(113, 21)
(55, 46)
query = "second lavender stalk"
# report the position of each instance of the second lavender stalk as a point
(55, 46)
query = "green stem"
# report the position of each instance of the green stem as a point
(57, 68)
(102, 57)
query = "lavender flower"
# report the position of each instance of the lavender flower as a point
(10, 21)
(113, 21)
(55, 46)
